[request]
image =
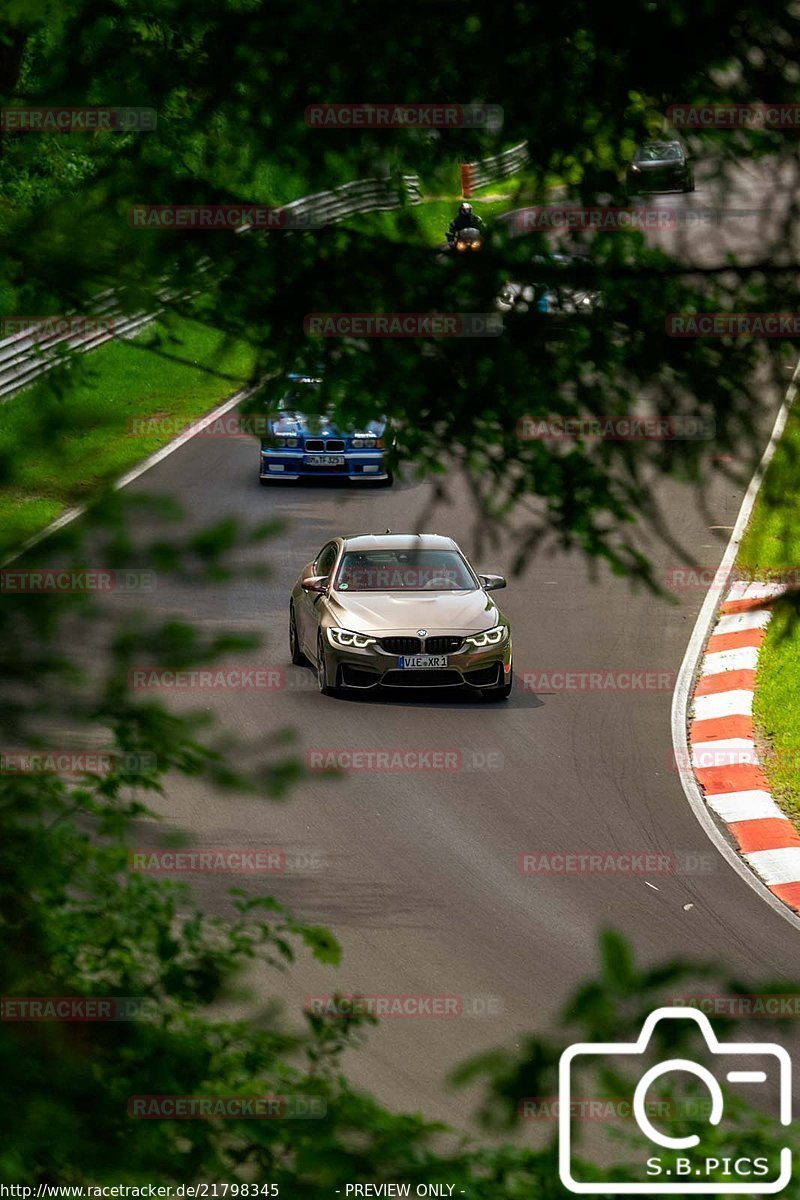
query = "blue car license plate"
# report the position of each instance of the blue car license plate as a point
(325, 460)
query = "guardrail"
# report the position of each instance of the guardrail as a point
(492, 170)
(30, 353)
(350, 199)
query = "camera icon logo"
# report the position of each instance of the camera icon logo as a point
(676, 1171)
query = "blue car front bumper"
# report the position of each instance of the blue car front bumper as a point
(358, 465)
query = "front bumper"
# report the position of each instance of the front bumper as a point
(667, 179)
(360, 466)
(372, 668)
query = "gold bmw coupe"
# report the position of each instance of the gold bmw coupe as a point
(399, 611)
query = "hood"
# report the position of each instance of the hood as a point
(303, 424)
(406, 612)
(650, 164)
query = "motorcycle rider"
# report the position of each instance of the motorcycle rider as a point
(465, 218)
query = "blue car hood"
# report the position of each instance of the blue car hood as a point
(295, 423)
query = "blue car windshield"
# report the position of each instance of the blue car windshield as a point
(298, 396)
(404, 571)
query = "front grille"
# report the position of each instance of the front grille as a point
(442, 645)
(662, 175)
(335, 445)
(422, 678)
(400, 645)
(315, 444)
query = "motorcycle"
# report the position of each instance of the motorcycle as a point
(466, 239)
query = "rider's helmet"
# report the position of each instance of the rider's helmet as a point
(465, 210)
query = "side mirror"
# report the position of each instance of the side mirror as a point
(491, 583)
(315, 583)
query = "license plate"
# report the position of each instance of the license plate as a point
(424, 660)
(325, 460)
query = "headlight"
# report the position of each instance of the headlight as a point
(367, 442)
(291, 441)
(461, 245)
(345, 637)
(635, 168)
(278, 440)
(489, 637)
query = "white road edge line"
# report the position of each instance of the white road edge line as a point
(195, 427)
(683, 685)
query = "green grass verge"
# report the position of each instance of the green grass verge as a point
(427, 222)
(57, 450)
(522, 186)
(771, 546)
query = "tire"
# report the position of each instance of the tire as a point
(496, 695)
(298, 658)
(325, 688)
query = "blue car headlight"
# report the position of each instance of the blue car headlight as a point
(345, 638)
(489, 637)
(365, 442)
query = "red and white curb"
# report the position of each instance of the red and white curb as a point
(722, 742)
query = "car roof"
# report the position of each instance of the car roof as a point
(398, 541)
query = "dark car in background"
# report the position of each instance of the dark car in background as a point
(660, 166)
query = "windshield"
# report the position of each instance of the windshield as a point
(659, 152)
(404, 571)
(299, 396)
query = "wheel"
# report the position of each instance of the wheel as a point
(496, 694)
(322, 671)
(689, 186)
(298, 658)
